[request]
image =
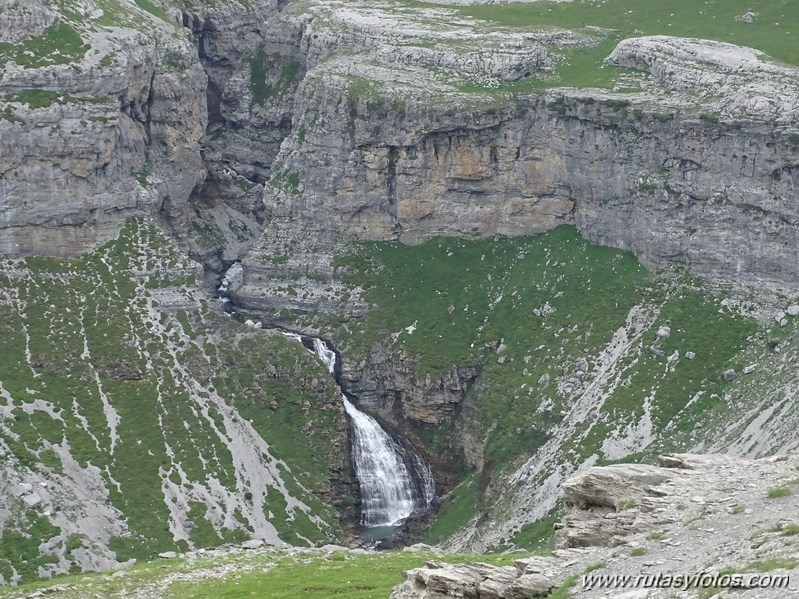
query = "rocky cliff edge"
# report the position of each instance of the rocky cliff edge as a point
(628, 527)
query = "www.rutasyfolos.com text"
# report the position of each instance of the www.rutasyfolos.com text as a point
(701, 580)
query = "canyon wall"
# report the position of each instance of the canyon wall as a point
(97, 125)
(699, 168)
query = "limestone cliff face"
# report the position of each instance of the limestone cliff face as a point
(395, 133)
(671, 184)
(381, 378)
(106, 128)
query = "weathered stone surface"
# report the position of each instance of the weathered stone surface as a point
(735, 80)
(112, 134)
(401, 154)
(708, 513)
(610, 486)
(22, 20)
(381, 376)
(474, 581)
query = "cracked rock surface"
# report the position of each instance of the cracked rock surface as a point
(690, 514)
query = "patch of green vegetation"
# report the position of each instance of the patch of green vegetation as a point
(790, 529)
(274, 574)
(769, 565)
(154, 10)
(8, 114)
(143, 176)
(539, 535)
(19, 545)
(243, 183)
(564, 590)
(638, 551)
(202, 534)
(691, 519)
(35, 98)
(287, 181)
(459, 507)
(74, 541)
(108, 59)
(264, 84)
(338, 574)
(360, 87)
(84, 336)
(776, 492)
(493, 287)
(58, 44)
(43, 98)
(685, 18)
(174, 63)
(595, 567)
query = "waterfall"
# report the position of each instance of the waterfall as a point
(393, 483)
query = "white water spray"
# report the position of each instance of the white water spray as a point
(393, 484)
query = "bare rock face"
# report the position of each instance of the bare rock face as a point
(426, 400)
(481, 581)
(106, 128)
(386, 142)
(611, 486)
(740, 81)
(689, 515)
(20, 20)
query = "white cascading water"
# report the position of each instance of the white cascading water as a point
(389, 491)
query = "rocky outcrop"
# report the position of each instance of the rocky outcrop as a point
(106, 128)
(690, 515)
(426, 400)
(20, 21)
(738, 82)
(523, 580)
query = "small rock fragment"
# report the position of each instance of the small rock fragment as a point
(32, 500)
(252, 544)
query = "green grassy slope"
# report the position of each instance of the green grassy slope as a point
(592, 379)
(277, 575)
(113, 365)
(775, 31)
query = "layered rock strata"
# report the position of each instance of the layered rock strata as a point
(698, 168)
(98, 124)
(690, 515)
